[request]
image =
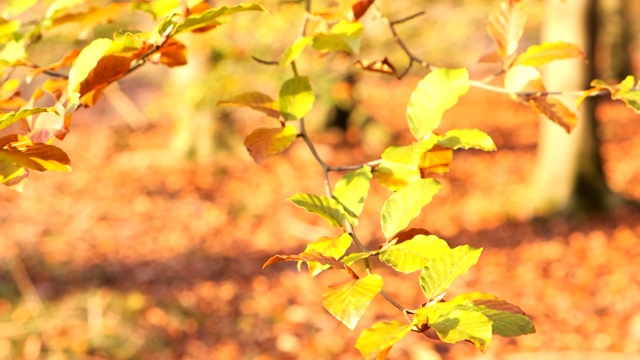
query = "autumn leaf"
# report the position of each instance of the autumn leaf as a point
(349, 301)
(375, 342)
(360, 8)
(506, 25)
(314, 257)
(556, 111)
(539, 55)
(436, 160)
(331, 247)
(255, 100)
(173, 53)
(382, 66)
(262, 142)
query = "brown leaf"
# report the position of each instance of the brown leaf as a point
(382, 66)
(506, 25)
(312, 256)
(409, 234)
(108, 69)
(360, 8)
(556, 111)
(500, 305)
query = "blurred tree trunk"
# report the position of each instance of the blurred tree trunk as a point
(193, 135)
(569, 177)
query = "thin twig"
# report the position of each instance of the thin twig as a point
(265, 62)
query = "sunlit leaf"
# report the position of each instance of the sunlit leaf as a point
(435, 93)
(9, 30)
(262, 142)
(344, 36)
(313, 257)
(321, 205)
(10, 118)
(441, 271)
(381, 337)
(296, 98)
(351, 191)
(436, 160)
(255, 100)
(330, 247)
(522, 78)
(412, 255)
(348, 302)
(213, 16)
(627, 91)
(22, 152)
(12, 174)
(506, 25)
(539, 55)
(395, 176)
(294, 51)
(508, 320)
(406, 204)
(86, 62)
(409, 154)
(556, 111)
(460, 325)
(466, 139)
(13, 54)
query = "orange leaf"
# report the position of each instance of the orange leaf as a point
(436, 160)
(506, 25)
(65, 61)
(556, 111)
(93, 17)
(263, 143)
(255, 100)
(173, 53)
(108, 69)
(383, 66)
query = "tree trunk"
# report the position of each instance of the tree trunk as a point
(569, 176)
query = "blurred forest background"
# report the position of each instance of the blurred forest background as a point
(152, 247)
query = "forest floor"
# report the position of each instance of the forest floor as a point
(135, 254)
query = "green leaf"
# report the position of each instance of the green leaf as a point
(321, 205)
(294, 51)
(379, 338)
(348, 302)
(404, 205)
(353, 257)
(508, 319)
(441, 271)
(412, 255)
(539, 55)
(255, 100)
(87, 61)
(213, 16)
(17, 6)
(435, 93)
(334, 247)
(632, 99)
(10, 118)
(460, 325)
(351, 191)
(467, 138)
(296, 98)
(344, 36)
(409, 154)
(262, 142)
